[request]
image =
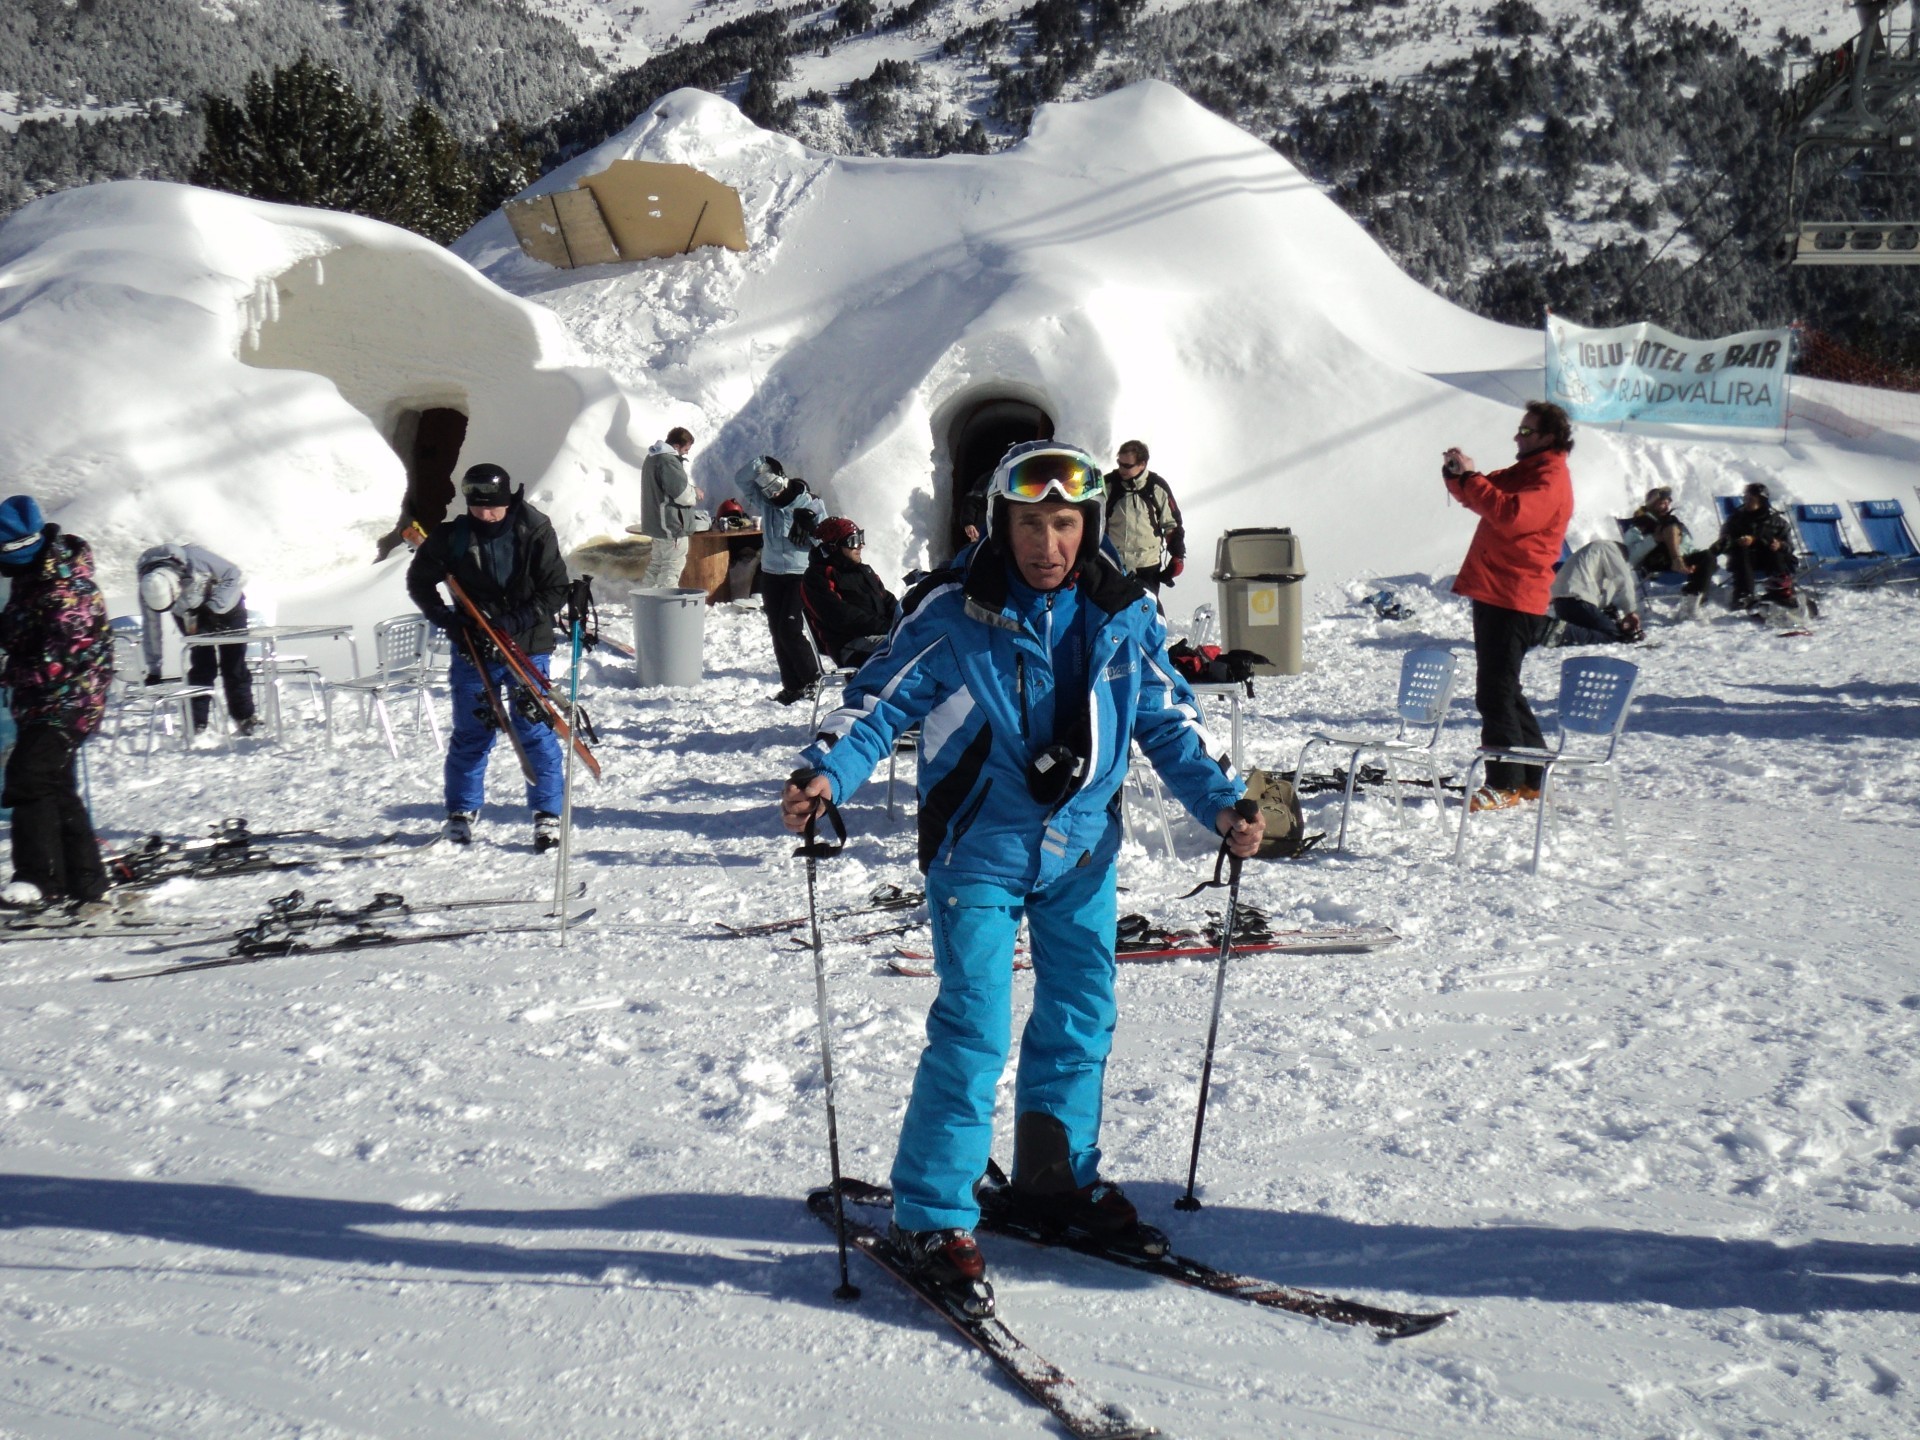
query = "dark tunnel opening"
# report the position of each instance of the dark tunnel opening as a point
(978, 437)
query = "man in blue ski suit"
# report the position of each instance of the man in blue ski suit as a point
(1033, 665)
(506, 557)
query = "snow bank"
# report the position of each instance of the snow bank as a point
(186, 364)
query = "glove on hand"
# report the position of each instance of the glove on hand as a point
(441, 617)
(1172, 570)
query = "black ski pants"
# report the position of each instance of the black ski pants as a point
(1744, 562)
(792, 652)
(54, 846)
(231, 661)
(1501, 639)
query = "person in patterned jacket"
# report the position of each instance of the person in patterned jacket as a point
(59, 663)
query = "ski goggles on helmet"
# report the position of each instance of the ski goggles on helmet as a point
(1051, 475)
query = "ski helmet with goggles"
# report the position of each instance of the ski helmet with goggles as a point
(486, 485)
(838, 532)
(1040, 470)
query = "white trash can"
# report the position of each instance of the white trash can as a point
(669, 632)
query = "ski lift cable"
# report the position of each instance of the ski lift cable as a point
(1674, 234)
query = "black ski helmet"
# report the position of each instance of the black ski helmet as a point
(486, 484)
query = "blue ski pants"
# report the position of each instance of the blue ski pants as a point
(473, 739)
(947, 1136)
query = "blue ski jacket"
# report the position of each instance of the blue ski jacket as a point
(970, 660)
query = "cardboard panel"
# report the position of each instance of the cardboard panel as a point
(588, 240)
(654, 209)
(537, 228)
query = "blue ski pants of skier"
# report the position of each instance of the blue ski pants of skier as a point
(473, 738)
(947, 1136)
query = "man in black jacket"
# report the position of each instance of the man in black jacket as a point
(506, 557)
(1757, 540)
(848, 608)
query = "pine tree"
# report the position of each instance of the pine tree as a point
(303, 137)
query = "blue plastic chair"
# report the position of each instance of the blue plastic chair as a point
(1595, 692)
(1884, 523)
(1828, 550)
(1427, 679)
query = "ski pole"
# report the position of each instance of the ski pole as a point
(1247, 810)
(815, 849)
(566, 791)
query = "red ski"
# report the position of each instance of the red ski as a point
(516, 659)
(1352, 940)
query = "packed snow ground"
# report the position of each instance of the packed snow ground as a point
(1650, 1122)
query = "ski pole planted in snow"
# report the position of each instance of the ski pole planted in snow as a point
(1248, 810)
(815, 849)
(575, 610)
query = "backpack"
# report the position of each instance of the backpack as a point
(1210, 665)
(1286, 827)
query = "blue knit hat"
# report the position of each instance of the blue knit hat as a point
(20, 526)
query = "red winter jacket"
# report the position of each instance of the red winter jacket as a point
(1523, 512)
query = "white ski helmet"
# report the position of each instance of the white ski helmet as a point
(1037, 470)
(159, 588)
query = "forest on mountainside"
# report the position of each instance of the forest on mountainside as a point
(1623, 165)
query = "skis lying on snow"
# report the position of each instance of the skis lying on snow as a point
(884, 897)
(367, 937)
(235, 850)
(1081, 1414)
(289, 911)
(1386, 1324)
(1186, 945)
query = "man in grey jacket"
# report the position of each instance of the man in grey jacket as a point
(667, 497)
(205, 594)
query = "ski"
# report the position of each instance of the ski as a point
(1362, 940)
(884, 897)
(529, 677)
(292, 912)
(1083, 1416)
(369, 938)
(158, 863)
(1386, 1324)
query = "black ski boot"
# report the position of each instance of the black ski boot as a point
(1042, 1194)
(951, 1261)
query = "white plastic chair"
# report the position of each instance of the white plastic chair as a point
(1427, 678)
(1595, 692)
(402, 650)
(833, 675)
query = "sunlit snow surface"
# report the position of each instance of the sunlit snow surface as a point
(1649, 1122)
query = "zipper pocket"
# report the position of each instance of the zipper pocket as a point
(963, 822)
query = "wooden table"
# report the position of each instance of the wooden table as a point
(708, 556)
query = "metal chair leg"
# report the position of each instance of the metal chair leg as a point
(1466, 808)
(1346, 807)
(1540, 820)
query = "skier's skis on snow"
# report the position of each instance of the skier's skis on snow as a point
(1387, 1324)
(1084, 1417)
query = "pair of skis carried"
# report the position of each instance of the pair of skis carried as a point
(536, 689)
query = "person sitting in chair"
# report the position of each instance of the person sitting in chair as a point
(848, 607)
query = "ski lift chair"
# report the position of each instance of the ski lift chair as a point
(1884, 523)
(1427, 678)
(1595, 692)
(1829, 552)
(402, 650)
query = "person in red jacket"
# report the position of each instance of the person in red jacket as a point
(1508, 575)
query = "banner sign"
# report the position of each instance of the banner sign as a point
(1641, 372)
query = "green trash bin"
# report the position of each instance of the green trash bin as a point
(1260, 575)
